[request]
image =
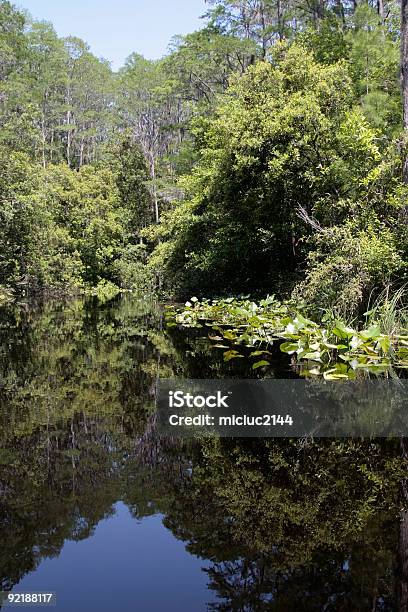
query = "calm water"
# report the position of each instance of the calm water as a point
(95, 506)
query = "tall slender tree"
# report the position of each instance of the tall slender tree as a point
(404, 75)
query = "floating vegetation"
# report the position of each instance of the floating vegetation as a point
(332, 349)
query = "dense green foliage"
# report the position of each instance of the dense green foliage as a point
(263, 154)
(64, 229)
(285, 145)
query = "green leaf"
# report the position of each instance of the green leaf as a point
(289, 347)
(334, 375)
(301, 321)
(315, 356)
(372, 332)
(231, 355)
(385, 344)
(341, 331)
(260, 364)
(228, 335)
(333, 346)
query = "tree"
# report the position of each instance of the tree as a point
(404, 75)
(283, 143)
(19, 217)
(204, 62)
(132, 176)
(263, 21)
(88, 97)
(12, 40)
(145, 102)
(43, 80)
(374, 59)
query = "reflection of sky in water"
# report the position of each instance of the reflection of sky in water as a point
(126, 565)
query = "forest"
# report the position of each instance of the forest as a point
(264, 154)
(251, 187)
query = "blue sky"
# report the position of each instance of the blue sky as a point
(116, 28)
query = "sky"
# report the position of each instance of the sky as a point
(116, 28)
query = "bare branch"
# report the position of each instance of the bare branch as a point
(304, 215)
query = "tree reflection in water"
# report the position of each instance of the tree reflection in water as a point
(286, 525)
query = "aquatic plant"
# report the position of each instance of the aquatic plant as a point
(332, 348)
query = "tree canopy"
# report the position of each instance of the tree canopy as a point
(264, 153)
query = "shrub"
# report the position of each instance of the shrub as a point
(346, 265)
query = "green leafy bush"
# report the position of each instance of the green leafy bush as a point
(347, 265)
(131, 272)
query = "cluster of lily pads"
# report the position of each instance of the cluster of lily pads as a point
(332, 349)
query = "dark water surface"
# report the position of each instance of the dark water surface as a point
(95, 506)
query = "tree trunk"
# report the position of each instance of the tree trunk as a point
(404, 78)
(380, 10)
(279, 14)
(155, 199)
(81, 154)
(263, 25)
(341, 12)
(403, 564)
(68, 138)
(44, 141)
(52, 146)
(322, 9)
(402, 574)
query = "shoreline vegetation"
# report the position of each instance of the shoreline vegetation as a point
(331, 348)
(265, 153)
